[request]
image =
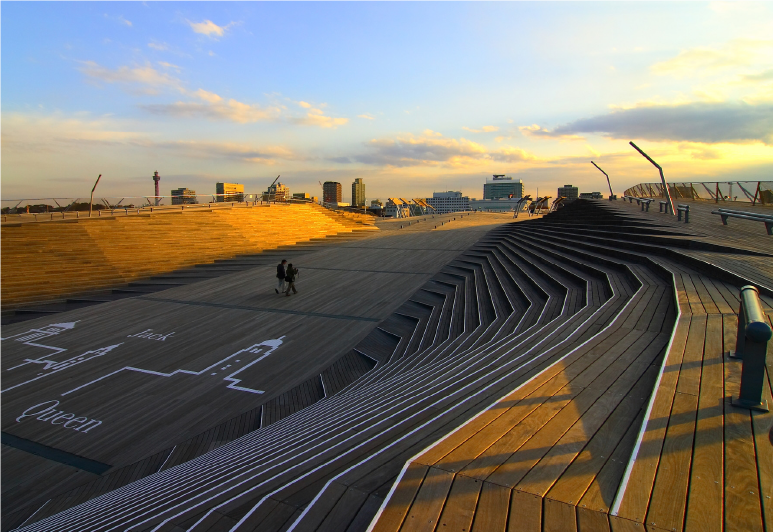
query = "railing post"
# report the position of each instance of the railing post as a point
(751, 347)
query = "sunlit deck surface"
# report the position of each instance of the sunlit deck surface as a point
(567, 450)
(562, 373)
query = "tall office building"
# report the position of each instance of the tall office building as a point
(569, 192)
(501, 187)
(229, 192)
(451, 201)
(358, 193)
(331, 192)
(183, 196)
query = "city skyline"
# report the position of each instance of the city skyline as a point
(411, 97)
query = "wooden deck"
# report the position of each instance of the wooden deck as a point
(546, 457)
(563, 373)
(157, 420)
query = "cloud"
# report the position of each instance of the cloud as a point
(765, 75)
(695, 122)
(484, 129)
(169, 65)
(146, 77)
(207, 96)
(317, 117)
(432, 149)
(539, 132)
(119, 19)
(158, 46)
(28, 134)
(703, 61)
(209, 28)
(227, 150)
(366, 116)
(340, 160)
(305, 105)
(214, 107)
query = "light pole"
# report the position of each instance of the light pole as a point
(608, 183)
(662, 178)
(92, 193)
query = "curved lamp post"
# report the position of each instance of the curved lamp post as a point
(606, 174)
(662, 178)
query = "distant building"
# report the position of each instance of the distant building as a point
(358, 193)
(301, 195)
(591, 195)
(376, 204)
(183, 196)
(397, 208)
(229, 192)
(501, 186)
(451, 201)
(277, 192)
(331, 192)
(496, 205)
(569, 192)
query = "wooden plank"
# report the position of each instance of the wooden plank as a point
(635, 501)
(425, 510)
(392, 517)
(459, 507)
(742, 497)
(492, 510)
(705, 498)
(525, 512)
(558, 517)
(669, 494)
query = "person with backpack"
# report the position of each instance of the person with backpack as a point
(280, 275)
(290, 277)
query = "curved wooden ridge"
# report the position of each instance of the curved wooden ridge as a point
(564, 373)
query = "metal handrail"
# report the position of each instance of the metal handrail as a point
(751, 346)
(752, 192)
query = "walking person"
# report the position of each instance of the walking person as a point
(280, 276)
(290, 276)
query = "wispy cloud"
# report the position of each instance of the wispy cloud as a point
(694, 122)
(484, 129)
(703, 61)
(305, 105)
(120, 19)
(366, 116)
(228, 150)
(160, 46)
(143, 79)
(432, 149)
(539, 132)
(209, 28)
(214, 107)
(317, 117)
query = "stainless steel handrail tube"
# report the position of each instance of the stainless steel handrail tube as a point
(751, 346)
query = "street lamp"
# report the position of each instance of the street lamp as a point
(606, 174)
(662, 178)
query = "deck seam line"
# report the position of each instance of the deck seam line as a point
(260, 309)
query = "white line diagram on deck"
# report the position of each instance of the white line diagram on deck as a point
(38, 334)
(54, 366)
(232, 364)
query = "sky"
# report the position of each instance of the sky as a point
(412, 97)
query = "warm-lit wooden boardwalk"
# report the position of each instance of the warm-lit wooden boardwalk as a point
(567, 451)
(558, 374)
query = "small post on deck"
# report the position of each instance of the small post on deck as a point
(662, 178)
(751, 346)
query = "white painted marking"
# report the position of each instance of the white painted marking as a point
(263, 349)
